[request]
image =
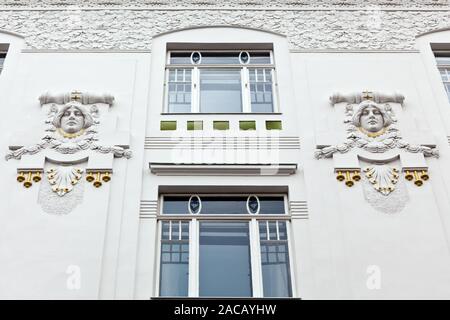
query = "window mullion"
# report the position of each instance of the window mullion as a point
(158, 257)
(246, 102)
(195, 88)
(255, 256)
(193, 258)
(292, 263)
(276, 106)
(166, 91)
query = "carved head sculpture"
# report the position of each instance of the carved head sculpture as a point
(72, 119)
(371, 118)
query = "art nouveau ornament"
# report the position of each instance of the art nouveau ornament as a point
(75, 142)
(383, 178)
(70, 129)
(373, 136)
(372, 128)
(63, 179)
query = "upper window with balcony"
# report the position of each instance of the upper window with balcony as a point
(228, 81)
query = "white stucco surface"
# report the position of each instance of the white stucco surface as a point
(109, 235)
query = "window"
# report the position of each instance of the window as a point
(443, 64)
(220, 82)
(224, 246)
(174, 258)
(2, 59)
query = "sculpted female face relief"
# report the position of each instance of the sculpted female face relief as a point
(72, 120)
(371, 119)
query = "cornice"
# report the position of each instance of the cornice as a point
(225, 5)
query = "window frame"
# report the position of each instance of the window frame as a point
(446, 67)
(253, 220)
(245, 81)
(3, 53)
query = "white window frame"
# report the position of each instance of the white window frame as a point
(254, 240)
(3, 52)
(445, 67)
(245, 82)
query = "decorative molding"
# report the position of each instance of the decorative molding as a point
(394, 203)
(85, 137)
(63, 178)
(82, 97)
(299, 209)
(382, 177)
(222, 143)
(172, 169)
(381, 27)
(373, 137)
(387, 138)
(53, 203)
(148, 209)
(230, 4)
(375, 96)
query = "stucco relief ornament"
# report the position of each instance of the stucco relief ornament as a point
(374, 139)
(63, 179)
(71, 129)
(71, 149)
(372, 127)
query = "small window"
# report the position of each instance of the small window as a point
(443, 64)
(220, 82)
(2, 60)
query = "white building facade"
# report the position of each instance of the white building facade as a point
(241, 149)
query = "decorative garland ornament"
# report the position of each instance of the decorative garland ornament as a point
(388, 137)
(57, 137)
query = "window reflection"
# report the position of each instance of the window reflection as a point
(220, 90)
(174, 267)
(225, 260)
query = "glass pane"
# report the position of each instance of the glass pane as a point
(179, 90)
(275, 269)
(175, 205)
(282, 230)
(220, 58)
(225, 260)
(220, 90)
(174, 272)
(224, 205)
(165, 230)
(273, 230)
(261, 90)
(175, 230)
(180, 58)
(443, 60)
(2, 60)
(263, 230)
(185, 230)
(259, 57)
(174, 263)
(272, 205)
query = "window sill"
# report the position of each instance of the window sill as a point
(223, 298)
(231, 113)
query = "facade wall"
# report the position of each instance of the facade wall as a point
(307, 25)
(319, 48)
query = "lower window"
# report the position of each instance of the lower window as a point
(240, 255)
